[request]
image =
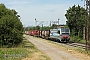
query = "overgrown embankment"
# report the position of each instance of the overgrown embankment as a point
(26, 50)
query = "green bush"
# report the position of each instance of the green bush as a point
(77, 39)
(11, 28)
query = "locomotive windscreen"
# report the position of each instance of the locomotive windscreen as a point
(64, 30)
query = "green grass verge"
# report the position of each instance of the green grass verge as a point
(12, 53)
(77, 39)
(87, 52)
(24, 50)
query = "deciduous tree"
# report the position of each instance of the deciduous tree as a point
(11, 28)
(76, 18)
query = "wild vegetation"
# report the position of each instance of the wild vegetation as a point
(76, 18)
(11, 28)
(24, 51)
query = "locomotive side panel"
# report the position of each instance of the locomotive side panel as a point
(54, 35)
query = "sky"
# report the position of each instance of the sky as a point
(43, 10)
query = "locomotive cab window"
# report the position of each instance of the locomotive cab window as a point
(58, 32)
(62, 30)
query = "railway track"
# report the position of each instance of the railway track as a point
(73, 45)
(83, 46)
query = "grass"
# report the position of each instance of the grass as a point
(25, 51)
(77, 39)
(83, 51)
(12, 53)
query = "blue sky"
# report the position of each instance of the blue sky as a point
(42, 10)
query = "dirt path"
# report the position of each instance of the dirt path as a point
(53, 52)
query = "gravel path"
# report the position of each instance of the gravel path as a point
(53, 52)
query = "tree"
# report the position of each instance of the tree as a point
(76, 18)
(37, 27)
(11, 28)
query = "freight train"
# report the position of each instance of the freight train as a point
(61, 34)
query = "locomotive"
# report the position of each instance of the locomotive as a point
(61, 34)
